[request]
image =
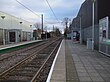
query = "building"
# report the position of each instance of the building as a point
(13, 29)
(37, 34)
(83, 21)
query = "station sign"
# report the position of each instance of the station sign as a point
(104, 38)
(103, 29)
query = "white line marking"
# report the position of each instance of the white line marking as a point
(53, 64)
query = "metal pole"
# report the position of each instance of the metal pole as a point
(93, 24)
(80, 32)
(72, 34)
(42, 23)
(42, 26)
(46, 33)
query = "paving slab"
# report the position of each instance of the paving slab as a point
(91, 66)
(76, 63)
(59, 71)
(71, 73)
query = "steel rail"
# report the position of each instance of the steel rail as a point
(34, 79)
(26, 60)
(16, 51)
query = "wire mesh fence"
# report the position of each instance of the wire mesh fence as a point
(87, 33)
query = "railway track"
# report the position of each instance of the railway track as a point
(34, 68)
(9, 59)
(10, 54)
(13, 57)
(4, 57)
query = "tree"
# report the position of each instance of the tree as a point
(37, 25)
(65, 22)
(57, 32)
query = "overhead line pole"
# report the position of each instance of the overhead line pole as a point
(42, 22)
(80, 29)
(93, 8)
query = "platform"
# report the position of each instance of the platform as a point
(14, 46)
(75, 63)
(17, 44)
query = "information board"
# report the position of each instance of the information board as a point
(104, 41)
(103, 29)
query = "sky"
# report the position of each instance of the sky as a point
(61, 8)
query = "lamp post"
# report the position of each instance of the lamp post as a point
(3, 17)
(93, 6)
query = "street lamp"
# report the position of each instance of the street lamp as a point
(93, 8)
(3, 17)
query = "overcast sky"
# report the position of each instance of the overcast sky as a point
(61, 8)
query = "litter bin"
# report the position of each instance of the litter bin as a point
(89, 43)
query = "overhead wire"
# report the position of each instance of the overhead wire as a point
(30, 10)
(37, 14)
(52, 10)
(27, 8)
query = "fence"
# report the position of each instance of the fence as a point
(87, 33)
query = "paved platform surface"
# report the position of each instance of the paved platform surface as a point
(17, 44)
(75, 63)
(59, 71)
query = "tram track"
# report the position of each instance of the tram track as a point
(10, 54)
(17, 56)
(24, 71)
